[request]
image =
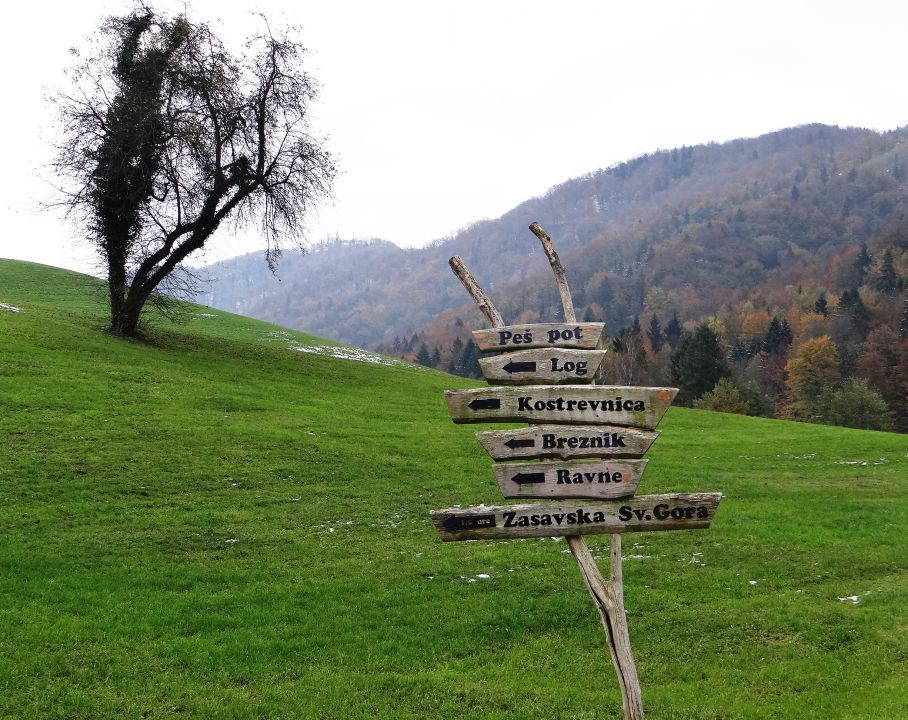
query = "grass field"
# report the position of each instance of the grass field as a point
(217, 524)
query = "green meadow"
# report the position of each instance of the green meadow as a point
(231, 521)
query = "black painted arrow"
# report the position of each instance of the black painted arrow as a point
(455, 523)
(527, 478)
(514, 444)
(493, 404)
(517, 367)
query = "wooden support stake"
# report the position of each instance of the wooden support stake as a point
(608, 596)
(469, 282)
(566, 301)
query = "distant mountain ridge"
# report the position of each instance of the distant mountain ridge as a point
(689, 229)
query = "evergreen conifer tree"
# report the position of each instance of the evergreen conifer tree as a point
(469, 360)
(673, 331)
(887, 281)
(656, 337)
(698, 364)
(423, 357)
(778, 336)
(456, 349)
(861, 263)
(857, 312)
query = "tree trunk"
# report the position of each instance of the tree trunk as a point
(119, 289)
(125, 321)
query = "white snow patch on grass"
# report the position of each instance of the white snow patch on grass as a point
(342, 352)
(350, 353)
(10, 308)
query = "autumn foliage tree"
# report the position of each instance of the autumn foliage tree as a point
(724, 397)
(812, 370)
(167, 135)
(884, 364)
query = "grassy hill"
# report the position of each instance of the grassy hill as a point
(220, 525)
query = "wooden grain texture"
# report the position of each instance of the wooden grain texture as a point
(597, 480)
(556, 366)
(608, 596)
(641, 407)
(558, 269)
(643, 513)
(567, 442)
(580, 336)
(482, 300)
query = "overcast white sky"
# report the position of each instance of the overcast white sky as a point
(441, 114)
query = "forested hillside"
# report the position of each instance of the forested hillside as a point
(789, 249)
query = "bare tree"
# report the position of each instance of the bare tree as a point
(166, 135)
(626, 363)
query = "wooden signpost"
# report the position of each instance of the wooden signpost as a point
(584, 336)
(543, 366)
(593, 404)
(562, 479)
(588, 439)
(566, 442)
(642, 513)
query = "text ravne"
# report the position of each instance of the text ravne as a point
(566, 477)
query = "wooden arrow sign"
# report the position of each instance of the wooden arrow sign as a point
(583, 404)
(598, 480)
(566, 442)
(644, 513)
(554, 366)
(581, 336)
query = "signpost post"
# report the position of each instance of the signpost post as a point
(588, 446)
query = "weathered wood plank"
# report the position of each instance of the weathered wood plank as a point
(643, 513)
(580, 336)
(566, 442)
(542, 366)
(581, 404)
(597, 480)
